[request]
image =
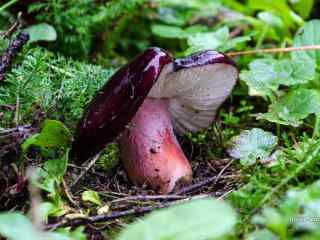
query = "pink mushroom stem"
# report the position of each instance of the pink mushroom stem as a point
(150, 151)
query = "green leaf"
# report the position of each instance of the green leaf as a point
(77, 234)
(199, 219)
(262, 234)
(309, 34)
(266, 75)
(217, 40)
(271, 19)
(166, 31)
(303, 7)
(293, 107)
(280, 8)
(173, 32)
(54, 134)
(209, 40)
(41, 32)
(271, 218)
(16, 226)
(252, 145)
(57, 167)
(91, 196)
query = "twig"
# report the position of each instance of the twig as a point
(14, 48)
(87, 168)
(68, 194)
(8, 4)
(7, 106)
(147, 197)
(12, 28)
(204, 182)
(35, 199)
(274, 50)
(118, 214)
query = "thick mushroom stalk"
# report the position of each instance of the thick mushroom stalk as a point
(150, 151)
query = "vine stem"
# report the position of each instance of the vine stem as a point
(274, 50)
(8, 4)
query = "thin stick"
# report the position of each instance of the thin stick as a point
(148, 197)
(8, 4)
(119, 214)
(274, 50)
(204, 182)
(87, 168)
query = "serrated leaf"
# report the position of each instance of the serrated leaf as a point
(199, 219)
(252, 145)
(41, 32)
(309, 34)
(266, 75)
(294, 107)
(54, 134)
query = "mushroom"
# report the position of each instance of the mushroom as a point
(146, 101)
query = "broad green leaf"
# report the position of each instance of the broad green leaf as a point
(166, 31)
(266, 75)
(54, 134)
(199, 219)
(91, 196)
(16, 226)
(309, 34)
(209, 40)
(262, 234)
(57, 167)
(41, 32)
(303, 7)
(252, 145)
(76, 234)
(217, 40)
(294, 107)
(280, 8)
(271, 19)
(272, 219)
(50, 209)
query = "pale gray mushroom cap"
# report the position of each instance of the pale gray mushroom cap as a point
(195, 88)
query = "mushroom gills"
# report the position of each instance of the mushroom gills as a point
(194, 95)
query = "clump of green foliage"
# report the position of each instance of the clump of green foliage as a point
(58, 86)
(79, 24)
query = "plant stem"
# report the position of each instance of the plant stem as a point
(311, 157)
(316, 126)
(262, 37)
(8, 4)
(274, 50)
